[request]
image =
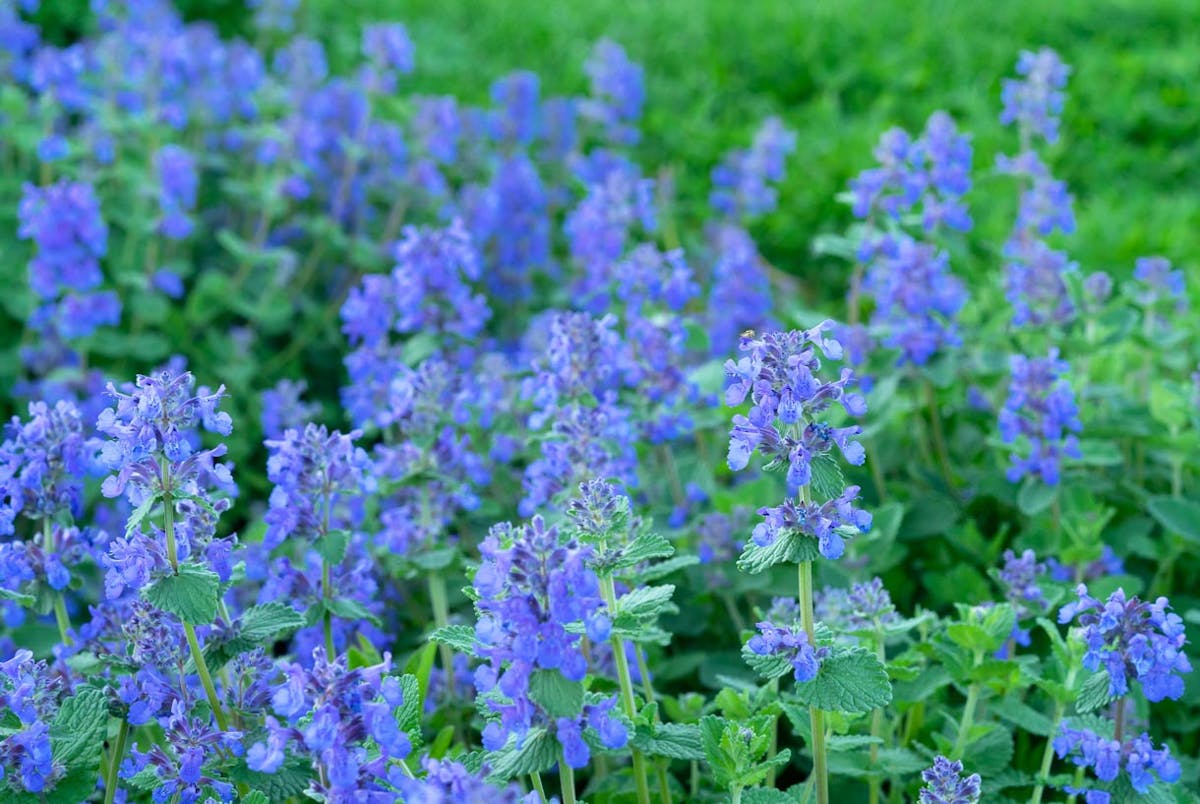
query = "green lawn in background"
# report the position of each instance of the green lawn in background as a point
(840, 72)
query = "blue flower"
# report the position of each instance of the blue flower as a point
(1040, 410)
(1035, 101)
(944, 784)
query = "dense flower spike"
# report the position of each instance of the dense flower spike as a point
(533, 589)
(447, 781)
(780, 375)
(29, 695)
(1132, 640)
(618, 92)
(945, 784)
(333, 717)
(1035, 101)
(315, 472)
(64, 222)
(742, 183)
(1107, 757)
(43, 464)
(862, 607)
(177, 190)
(1040, 417)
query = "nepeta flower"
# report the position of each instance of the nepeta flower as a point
(64, 222)
(1035, 101)
(180, 765)
(1132, 639)
(43, 463)
(1019, 578)
(944, 784)
(333, 716)
(447, 781)
(739, 295)
(792, 643)
(177, 190)
(29, 692)
(1107, 757)
(389, 54)
(1041, 410)
(863, 607)
(1159, 281)
(742, 182)
(314, 472)
(618, 92)
(917, 298)
(284, 408)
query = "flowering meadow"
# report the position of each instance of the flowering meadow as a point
(367, 445)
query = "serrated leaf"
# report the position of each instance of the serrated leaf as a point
(788, 547)
(769, 666)
(134, 523)
(255, 797)
(332, 546)
(850, 680)
(1035, 496)
(646, 602)
(436, 559)
(1094, 693)
(674, 740)
(1024, 716)
(557, 695)
(78, 730)
(537, 753)
(459, 637)
(991, 753)
(827, 482)
(851, 742)
(408, 714)
(290, 780)
(662, 569)
(270, 622)
(191, 594)
(644, 547)
(767, 795)
(1177, 516)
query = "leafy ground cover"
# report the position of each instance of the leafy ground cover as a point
(797, 405)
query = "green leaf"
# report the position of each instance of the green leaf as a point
(332, 546)
(349, 609)
(436, 559)
(789, 547)
(537, 753)
(1024, 716)
(769, 666)
(557, 695)
(270, 622)
(662, 569)
(644, 547)
(1035, 496)
(767, 795)
(850, 742)
(290, 780)
(77, 733)
(1177, 516)
(1094, 693)
(674, 740)
(191, 594)
(18, 597)
(408, 714)
(255, 797)
(850, 680)
(646, 602)
(459, 637)
(827, 482)
(134, 523)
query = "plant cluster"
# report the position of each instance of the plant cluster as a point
(571, 500)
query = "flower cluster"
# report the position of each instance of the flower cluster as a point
(1040, 411)
(30, 693)
(863, 607)
(1107, 757)
(1019, 577)
(43, 463)
(742, 183)
(316, 473)
(447, 781)
(533, 589)
(1035, 101)
(1132, 639)
(341, 720)
(945, 784)
(779, 373)
(792, 643)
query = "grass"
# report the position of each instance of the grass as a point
(841, 73)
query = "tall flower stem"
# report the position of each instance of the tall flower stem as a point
(1048, 753)
(441, 619)
(327, 582)
(939, 437)
(660, 764)
(609, 590)
(536, 780)
(566, 777)
(60, 602)
(968, 716)
(816, 716)
(189, 630)
(114, 766)
(876, 782)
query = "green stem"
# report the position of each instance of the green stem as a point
(735, 794)
(815, 715)
(114, 767)
(441, 619)
(210, 691)
(566, 777)
(660, 764)
(626, 682)
(1048, 753)
(60, 601)
(968, 716)
(939, 437)
(327, 584)
(536, 780)
(875, 782)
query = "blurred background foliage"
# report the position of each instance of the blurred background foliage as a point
(839, 74)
